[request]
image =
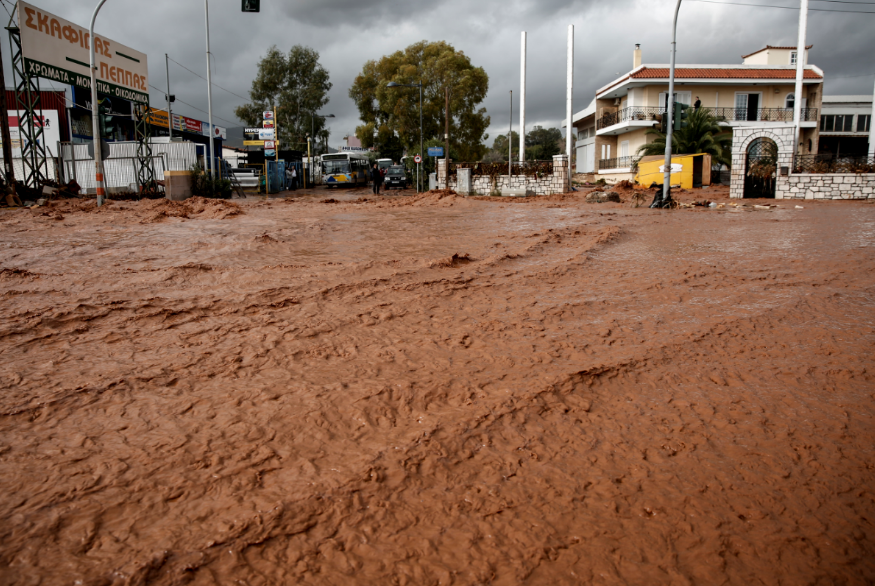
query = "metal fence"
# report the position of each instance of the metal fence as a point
(528, 168)
(49, 169)
(631, 113)
(120, 169)
(617, 163)
(833, 164)
(722, 114)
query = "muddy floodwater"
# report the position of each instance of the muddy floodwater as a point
(340, 389)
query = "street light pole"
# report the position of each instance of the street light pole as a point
(210, 92)
(666, 182)
(95, 120)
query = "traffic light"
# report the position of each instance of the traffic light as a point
(107, 121)
(680, 115)
(251, 5)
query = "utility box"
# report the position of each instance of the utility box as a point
(432, 181)
(464, 181)
(177, 185)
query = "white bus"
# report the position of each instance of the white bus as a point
(348, 169)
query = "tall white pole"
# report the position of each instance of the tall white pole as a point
(523, 98)
(872, 128)
(569, 99)
(800, 72)
(210, 93)
(95, 113)
(666, 181)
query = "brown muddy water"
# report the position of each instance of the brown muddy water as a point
(436, 390)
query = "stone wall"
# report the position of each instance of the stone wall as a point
(826, 186)
(486, 185)
(741, 139)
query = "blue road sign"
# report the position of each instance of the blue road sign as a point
(435, 151)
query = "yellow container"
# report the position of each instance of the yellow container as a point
(686, 170)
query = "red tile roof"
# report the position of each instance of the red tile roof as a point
(741, 73)
(771, 47)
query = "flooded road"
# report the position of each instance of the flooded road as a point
(345, 389)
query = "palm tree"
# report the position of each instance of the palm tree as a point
(702, 134)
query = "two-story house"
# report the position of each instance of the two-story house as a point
(845, 122)
(758, 93)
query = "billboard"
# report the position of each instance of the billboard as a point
(57, 49)
(218, 131)
(48, 119)
(158, 117)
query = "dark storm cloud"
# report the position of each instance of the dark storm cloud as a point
(347, 34)
(360, 13)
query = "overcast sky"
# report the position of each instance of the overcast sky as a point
(347, 33)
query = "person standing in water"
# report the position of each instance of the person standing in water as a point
(377, 178)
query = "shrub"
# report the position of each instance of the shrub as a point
(203, 185)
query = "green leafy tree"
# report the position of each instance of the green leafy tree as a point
(390, 147)
(499, 145)
(542, 143)
(701, 135)
(298, 86)
(387, 112)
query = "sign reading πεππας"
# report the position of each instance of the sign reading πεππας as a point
(57, 49)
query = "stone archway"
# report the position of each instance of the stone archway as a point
(760, 168)
(742, 137)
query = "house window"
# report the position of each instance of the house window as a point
(680, 97)
(624, 148)
(837, 123)
(790, 101)
(863, 122)
(747, 106)
(793, 58)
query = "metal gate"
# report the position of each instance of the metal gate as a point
(761, 168)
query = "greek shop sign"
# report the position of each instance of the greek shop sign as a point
(57, 49)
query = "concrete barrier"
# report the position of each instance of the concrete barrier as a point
(177, 185)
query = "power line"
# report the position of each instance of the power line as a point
(845, 2)
(196, 108)
(786, 7)
(205, 79)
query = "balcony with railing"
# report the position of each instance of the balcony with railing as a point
(729, 115)
(617, 163)
(642, 113)
(647, 116)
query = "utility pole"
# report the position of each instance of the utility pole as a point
(210, 94)
(95, 115)
(666, 182)
(800, 73)
(569, 100)
(523, 98)
(447, 140)
(5, 135)
(510, 143)
(169, 107)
